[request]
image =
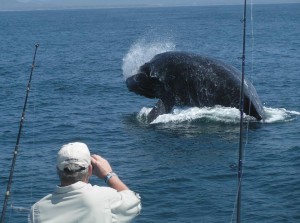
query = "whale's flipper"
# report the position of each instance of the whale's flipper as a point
(159, 109)
(163, 106)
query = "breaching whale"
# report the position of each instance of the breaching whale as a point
(188, 79)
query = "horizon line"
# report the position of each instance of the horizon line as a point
(37, 7)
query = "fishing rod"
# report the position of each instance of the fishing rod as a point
(241, 148)
(7, 194)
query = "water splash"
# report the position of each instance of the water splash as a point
(274, 115)
(141, 52)
(218, 114)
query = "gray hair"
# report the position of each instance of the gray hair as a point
(72, 173)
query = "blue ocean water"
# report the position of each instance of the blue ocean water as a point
(184, 164)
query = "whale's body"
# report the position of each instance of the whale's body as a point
(187, 79)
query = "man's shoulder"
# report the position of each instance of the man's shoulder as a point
(103, 190)
(47, 197)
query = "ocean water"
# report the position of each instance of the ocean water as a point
(184, 164)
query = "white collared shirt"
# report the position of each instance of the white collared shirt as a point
(84, 203)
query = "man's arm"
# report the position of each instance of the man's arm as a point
(128, 205)
(103, 170)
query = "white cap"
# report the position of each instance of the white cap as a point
(73, 153)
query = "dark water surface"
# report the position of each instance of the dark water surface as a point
(184, 165)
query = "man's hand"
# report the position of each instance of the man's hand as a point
(101, 166)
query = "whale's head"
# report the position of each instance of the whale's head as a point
(145, 83)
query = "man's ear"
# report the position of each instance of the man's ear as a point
(90, 170)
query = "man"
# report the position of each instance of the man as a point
(75, 200)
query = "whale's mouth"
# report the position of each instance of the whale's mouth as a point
(144, 85)
(140, 83)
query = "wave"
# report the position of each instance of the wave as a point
(279, 115)
(218, 114)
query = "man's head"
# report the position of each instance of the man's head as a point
(73, 163)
